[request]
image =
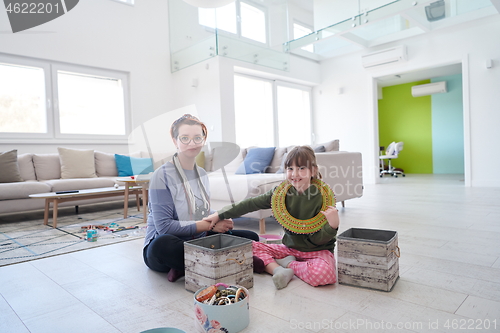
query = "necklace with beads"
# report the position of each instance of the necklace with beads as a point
(293, 224)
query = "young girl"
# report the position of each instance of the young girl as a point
(305, 207)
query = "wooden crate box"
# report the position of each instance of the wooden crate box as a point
(368, 258)
(218, 258)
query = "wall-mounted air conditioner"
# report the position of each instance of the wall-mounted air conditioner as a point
(428, 89)
(388, 56)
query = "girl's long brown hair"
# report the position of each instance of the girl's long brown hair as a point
(302, 156)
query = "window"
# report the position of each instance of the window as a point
(42, 99)
(271, 113)
(22, 99)
(239, 18)
(253, 104)
(294, 115)
(85, 98)
(300, 30)
(253, 22)
(223, 18)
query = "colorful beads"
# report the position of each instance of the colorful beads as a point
(296, 225)
(221, 294)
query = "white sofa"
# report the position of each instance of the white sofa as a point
(341, 170)
(42, 173)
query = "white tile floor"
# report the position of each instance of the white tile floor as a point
(450, 276)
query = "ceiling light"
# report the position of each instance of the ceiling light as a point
(208, 3)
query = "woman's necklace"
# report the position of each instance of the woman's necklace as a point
(293, 224)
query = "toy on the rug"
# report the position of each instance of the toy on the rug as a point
(92, 235)
(90, 226)
(124, 228)
(93, 231)
(221, 294)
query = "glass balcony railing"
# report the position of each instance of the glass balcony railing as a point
(197, 34)
(395, 20)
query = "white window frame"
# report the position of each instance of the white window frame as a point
(53, 134)
(238, 24)
(21, 61)
(266, 21)
(275, 84)
(294, 86)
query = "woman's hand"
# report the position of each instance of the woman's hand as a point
(202, 225)
(332, 215)
(213, 219)
(223, 226)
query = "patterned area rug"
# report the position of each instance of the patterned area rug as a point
(30, 240)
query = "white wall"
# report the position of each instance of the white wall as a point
(352, 116)
(104, 34)
(206, 97)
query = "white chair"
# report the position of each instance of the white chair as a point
(391, 153)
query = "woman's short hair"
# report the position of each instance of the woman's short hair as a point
(302, 156)
(186, 119)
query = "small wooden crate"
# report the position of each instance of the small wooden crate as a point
(218, 258)
(368, 258)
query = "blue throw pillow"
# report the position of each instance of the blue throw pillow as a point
(130, 166)
(320, 149)
(256, 161)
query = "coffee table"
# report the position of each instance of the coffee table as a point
(130, 183)
(95, 193)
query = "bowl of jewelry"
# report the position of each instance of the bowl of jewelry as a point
(221, 308)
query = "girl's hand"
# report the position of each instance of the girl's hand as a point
(223, 226)
(213, 219)
(332, 215)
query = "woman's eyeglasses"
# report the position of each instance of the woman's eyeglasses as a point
(187, 140)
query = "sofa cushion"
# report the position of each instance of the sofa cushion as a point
(78, 183)
(26, 167)
(130, 166)
(47, 166)
(9, 167)
(220, 156)
(329, 146)
(320, 149)
(200, 159)
(241, 186)
(22, 190)
(105, 164)
(256, 161)
(277, 160)
(282, 165)
(77, 163)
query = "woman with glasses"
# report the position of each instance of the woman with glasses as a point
(179, 199)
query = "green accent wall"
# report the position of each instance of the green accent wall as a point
(403, 117)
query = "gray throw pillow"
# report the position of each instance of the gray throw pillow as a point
(10, 169)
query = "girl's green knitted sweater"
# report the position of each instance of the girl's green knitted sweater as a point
(302, 206)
